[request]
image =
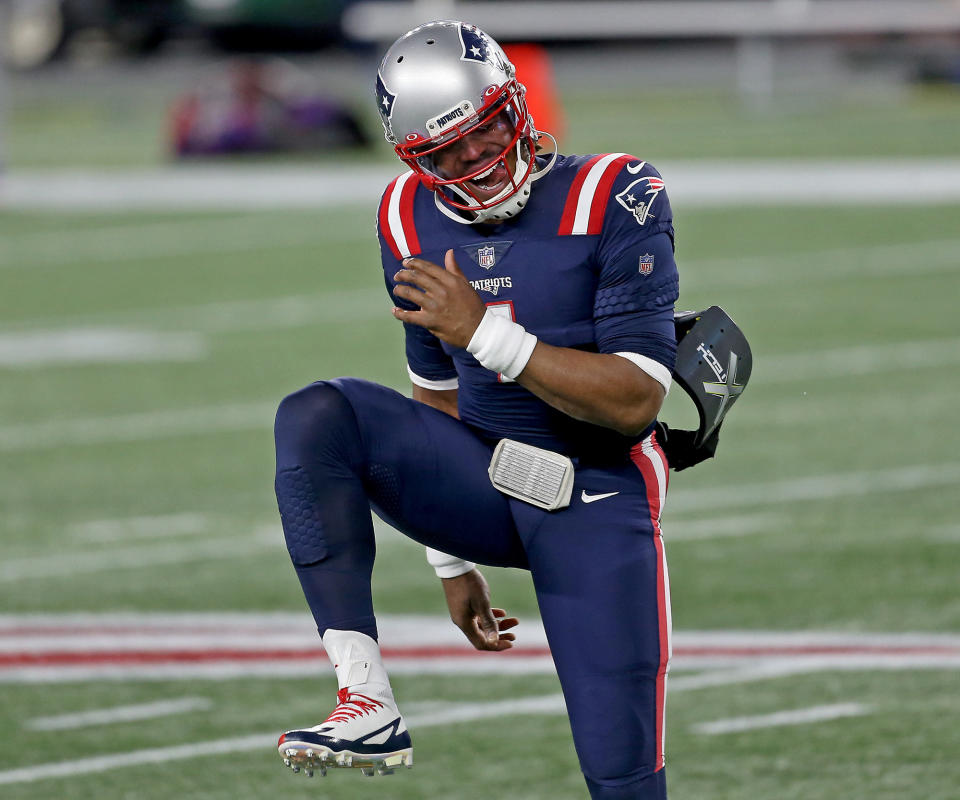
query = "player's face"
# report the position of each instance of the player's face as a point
(483, 145)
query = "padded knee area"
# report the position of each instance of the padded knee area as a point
(318, 449)
(316, 423)
(298, 506)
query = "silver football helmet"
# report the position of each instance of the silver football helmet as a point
(436, 85)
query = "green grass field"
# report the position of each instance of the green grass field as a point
(838, 466)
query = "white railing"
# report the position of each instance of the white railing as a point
(754, 26)
(379, 21)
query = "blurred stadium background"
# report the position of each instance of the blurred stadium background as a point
(186, 234)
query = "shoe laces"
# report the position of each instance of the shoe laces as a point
(351, 705)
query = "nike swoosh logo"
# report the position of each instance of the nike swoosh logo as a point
(592, 498)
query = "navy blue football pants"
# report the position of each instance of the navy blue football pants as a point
(598, 568)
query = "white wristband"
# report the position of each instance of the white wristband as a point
(447, 566)
(501, 345)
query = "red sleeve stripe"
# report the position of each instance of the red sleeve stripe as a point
(576, 212)
(570, 209)
(602, 195)
(383, 221)
(396, 216)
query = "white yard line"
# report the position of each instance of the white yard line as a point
(943, 534)
(842, 362)
(800, 716)
(44, 348)
(790, 367)
(453, 713)
(284, 312)
(690, 183)
(334, 307)
(128, 528)
(137, 427)
(164, 240)
(688, 530)
(197, 188)
(134, 758)
(936, 405)
(270, 670)
(924, 256)
(821, 487)
(303, 667)
(13, 570)
(49, 648)
(111, 716)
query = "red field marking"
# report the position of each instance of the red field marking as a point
(213, 655)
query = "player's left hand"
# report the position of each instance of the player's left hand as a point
(468, 599)
(450, 308)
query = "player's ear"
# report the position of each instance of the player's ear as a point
(450, 262)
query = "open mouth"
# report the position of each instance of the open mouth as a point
(493, 179)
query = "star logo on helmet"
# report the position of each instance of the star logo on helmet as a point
(384, 97)
(475, 46)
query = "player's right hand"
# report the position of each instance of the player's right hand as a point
(468, 599)
(450, 308)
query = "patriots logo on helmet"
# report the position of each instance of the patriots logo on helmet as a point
(474, 45)
(385, 98)
(638, 197)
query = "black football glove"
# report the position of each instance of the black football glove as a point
(678, 446)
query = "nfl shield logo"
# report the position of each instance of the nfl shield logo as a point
(486, 256)
(646, 264)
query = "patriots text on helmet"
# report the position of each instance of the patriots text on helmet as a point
(461, 111)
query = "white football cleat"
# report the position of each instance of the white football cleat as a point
(364, 731)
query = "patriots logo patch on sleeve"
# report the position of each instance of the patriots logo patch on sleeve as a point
(638, 198)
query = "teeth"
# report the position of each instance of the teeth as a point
(483, 175)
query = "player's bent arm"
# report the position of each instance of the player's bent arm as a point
(445, 565)
(601, 388)
(464, 587)
(444, 400)
(614, 390)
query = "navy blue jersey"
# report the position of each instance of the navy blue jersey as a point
(588, 264)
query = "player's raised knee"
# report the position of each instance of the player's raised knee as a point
(313, 421)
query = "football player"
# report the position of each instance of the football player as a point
(536, 293)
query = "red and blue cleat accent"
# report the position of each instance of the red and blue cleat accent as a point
(363, 732)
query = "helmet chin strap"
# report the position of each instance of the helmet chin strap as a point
(511, 206)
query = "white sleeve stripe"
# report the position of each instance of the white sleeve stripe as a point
(654, 369)
(393, 215)
(437, 386)
(588, 190)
